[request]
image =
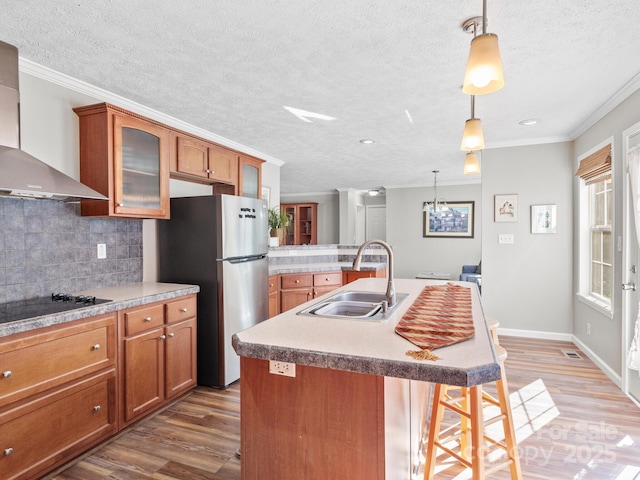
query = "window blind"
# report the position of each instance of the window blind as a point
(596, 167)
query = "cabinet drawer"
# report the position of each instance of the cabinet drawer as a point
(141, 319)
(40, 434)
(296, 280)
(181, 309)
(42, 361)
(329, 278)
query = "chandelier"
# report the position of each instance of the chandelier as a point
(437, 204)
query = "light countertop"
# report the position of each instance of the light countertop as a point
(372, 347)
(121, 297)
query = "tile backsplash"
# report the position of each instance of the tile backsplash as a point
(46, 246)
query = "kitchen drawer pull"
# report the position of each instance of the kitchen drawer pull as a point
(148, 319)
(297, 281)
(172, 335)
(8, 451)
(7, 374)
(96, 347)
(121, 204)
(183, 309)
(97, 408)
(163, 337)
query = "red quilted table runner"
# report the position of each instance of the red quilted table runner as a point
(440, 316)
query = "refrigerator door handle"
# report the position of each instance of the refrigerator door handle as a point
(252, 258)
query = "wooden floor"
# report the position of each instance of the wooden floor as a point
(572, 422)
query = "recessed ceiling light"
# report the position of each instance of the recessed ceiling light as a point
(529, 121)
(373, 193)
(367, 141)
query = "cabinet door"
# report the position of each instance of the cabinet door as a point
(192, 157)
(144, 372)
(249, 178)
(141, 168)
(273, 296)
(292, 298)
(180, 357)
(223, 165)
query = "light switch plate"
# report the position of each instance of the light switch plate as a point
(102, 251)
(505, 238)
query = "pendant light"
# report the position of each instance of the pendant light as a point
(437, 204)
(471, 164)
(484, 66)
(472, 137)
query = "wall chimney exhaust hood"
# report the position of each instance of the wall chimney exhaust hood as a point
(20, 173)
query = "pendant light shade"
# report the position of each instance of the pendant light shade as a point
(472, 138)
(471, 164)
(484, 67)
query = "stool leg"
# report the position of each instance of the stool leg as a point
(477, 433)
(507, 424)
(437, 413)
(466, 442)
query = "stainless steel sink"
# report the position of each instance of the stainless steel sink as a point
(354, 305)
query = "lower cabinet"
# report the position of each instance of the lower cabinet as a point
(349, 276)
(159, 360)
(66, 388)
(298, 288)
(58, 395)
(274, 296)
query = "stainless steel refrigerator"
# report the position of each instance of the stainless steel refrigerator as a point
(220, 243)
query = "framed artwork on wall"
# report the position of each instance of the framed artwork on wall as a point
(543, 219)
(506, 208)
(456, 222)
(266, 195)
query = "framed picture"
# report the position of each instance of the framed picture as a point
(456, 222)
(543, 219)
(266, 195)
(506, 208)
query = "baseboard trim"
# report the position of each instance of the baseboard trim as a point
(615, 378)
(510, 332)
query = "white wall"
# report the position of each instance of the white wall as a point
(414, 253)
(528, 285)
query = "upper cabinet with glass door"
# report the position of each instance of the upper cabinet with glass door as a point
(125, 157)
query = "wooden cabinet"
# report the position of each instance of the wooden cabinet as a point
(298, 288)
(58, 394)
(249, 177)
(125, 157)
(159, 354)
(274, 294)
(303, 223)
(349, 276)
(196, 159)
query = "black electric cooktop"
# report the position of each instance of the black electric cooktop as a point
(36, 307)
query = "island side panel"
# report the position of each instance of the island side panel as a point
(323, 424)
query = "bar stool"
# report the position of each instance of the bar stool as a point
(469, 433)
(493, 329)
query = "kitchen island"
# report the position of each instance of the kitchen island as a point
(357, 405)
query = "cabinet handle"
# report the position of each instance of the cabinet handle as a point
(96, 347)
(297, 281)
(97, 408)
(171, 335)
(121, 204)
(208, 171)
(148, 319)
(7, 374)
(183, 310)
(8, 451)
(163, 337)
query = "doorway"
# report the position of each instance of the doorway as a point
(377, 222)
(630, 267)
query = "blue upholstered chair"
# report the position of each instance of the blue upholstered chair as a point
(471, 273)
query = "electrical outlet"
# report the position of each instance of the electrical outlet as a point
(588, 329)
(282, 368)
(102, 250)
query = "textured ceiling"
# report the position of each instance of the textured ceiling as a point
(385, 70)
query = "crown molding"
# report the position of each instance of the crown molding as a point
(101, 95)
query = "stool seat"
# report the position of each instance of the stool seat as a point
(493, 329)
(466, 440)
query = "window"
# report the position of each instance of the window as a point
(600, 214)
(596, 228)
